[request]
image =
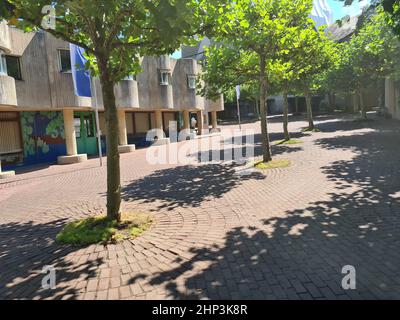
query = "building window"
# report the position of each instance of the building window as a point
(89, 125)
(14, 67)
(164, 77)
(65, 60)
(3, 64)
(77, 126)
(191, 82)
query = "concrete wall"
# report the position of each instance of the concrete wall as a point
(4, 37)
(8, 96)
(392, 98)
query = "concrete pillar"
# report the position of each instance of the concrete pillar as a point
(186, 133)
(158, 120)
(123, 147)
(214, 120)
(70, 141)
(70, 135)
(186, 120)
(206, 123)
(159, 125)
(200, 122)
(122, 133)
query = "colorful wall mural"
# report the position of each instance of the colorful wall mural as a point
(43, 136)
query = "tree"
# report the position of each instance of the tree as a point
(304, 55)
(115, 34)
(374, 51)
(339, 78)
(367, 59)
(392, 7)
(317, 55)
(249, 37)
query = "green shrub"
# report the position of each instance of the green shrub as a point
(102, 230)
(274, 164)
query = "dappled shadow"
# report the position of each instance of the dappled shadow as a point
(347, 122)
(25, 248)
(301, 253)
(186, 186)
(244, 149)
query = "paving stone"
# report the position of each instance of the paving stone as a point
(277, 234)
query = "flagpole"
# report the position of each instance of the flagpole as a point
(238, 112)
(96, 111)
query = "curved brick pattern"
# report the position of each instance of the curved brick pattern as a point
(279, 234)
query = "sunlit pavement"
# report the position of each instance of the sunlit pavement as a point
(280, 234)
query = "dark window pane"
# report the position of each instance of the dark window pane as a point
(65, 61)
(13, 67)
(3, 65)
(77, 125)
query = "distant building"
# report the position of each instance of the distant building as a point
(392, 98)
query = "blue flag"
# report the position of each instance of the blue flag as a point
(80, 76)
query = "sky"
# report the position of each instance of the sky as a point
(340, 11)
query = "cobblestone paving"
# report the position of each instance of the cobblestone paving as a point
(277, 234)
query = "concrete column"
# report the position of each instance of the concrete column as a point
(206, 123)
(122, 133)
(158, 120)
(186, 133)
(186, 120)
(123, 147)
(70, 135)
(214, 119)
(70, 141)
(200, 122)
(159, 125)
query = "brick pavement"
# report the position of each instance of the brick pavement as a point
(280, 234)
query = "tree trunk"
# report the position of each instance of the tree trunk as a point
(362, 104)
(286, 116)
(330, 100)
(355, 102)
(257, 110)
(334, 101)
(309, 109)
(297, 104)
(266, 147)
(113, 165)
(381, 88)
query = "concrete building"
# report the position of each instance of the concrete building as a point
(41, 119)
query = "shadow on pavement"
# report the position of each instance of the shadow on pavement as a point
(301, 255)
(25, 248)
(185, 186)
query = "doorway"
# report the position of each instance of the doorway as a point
(85, 129)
